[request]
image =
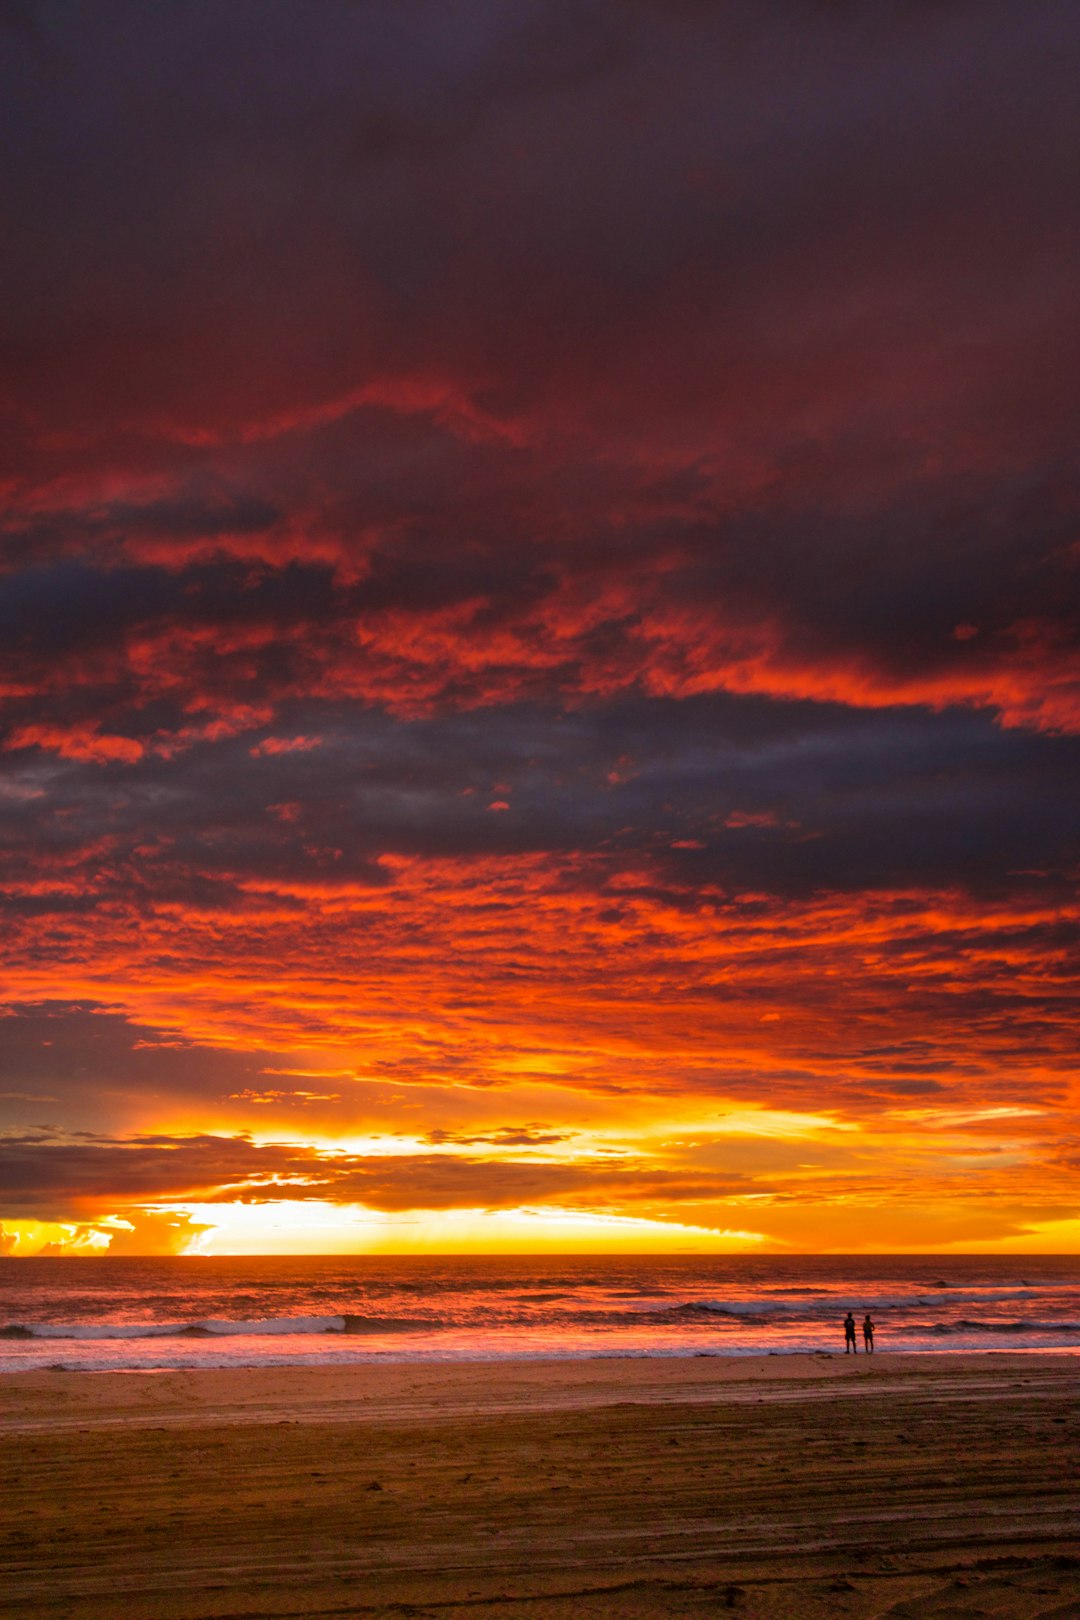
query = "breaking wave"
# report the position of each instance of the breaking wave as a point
(945, 1329)
(222, 1329)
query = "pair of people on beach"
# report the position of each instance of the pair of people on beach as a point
(850, 1346)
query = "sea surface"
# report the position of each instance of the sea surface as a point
(135, 1315)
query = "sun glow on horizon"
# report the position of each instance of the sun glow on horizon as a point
(329, 1229)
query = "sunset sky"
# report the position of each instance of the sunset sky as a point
(539, 675)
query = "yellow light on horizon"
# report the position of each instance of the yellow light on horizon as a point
(314, 1227)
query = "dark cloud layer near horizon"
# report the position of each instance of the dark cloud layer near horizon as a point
(536, 540)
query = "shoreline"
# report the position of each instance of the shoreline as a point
(540, 1384)
(335, 1363)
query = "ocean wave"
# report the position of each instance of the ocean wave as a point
(741, 1310)
(964, 1325)
(207, 1329)
(800, 1293)
(652, 1291)
(221, 1328)
(387, 1324)
(817, 1305)
(704, 1310)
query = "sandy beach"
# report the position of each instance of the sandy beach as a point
(777, 1487)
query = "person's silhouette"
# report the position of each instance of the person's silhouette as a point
(850, 1347)
(868, 1333)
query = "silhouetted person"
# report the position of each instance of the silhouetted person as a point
(850, 1347)
(868, 1333)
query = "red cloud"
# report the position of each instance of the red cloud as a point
(82, 743)
(285, 745)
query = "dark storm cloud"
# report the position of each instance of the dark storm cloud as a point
(951, 590)
(711, 792)
(44, 536)
(786, 308)
(76, 609)
(84, 1064)
(49, 1178)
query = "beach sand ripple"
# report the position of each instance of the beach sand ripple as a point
(786, 1488)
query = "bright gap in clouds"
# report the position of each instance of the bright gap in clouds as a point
(324, 1228)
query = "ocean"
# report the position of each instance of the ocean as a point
(133, 1315)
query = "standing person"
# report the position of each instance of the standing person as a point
(850, 1347)
(868, 1333)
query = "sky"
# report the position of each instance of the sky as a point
(539, 674)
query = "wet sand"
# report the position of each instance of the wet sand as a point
(784, 1488)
